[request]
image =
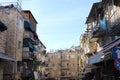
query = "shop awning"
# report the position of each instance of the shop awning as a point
(28, 26)
(3, 27)
(6, 57)
(97, 58)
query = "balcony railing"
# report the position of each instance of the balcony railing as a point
(65, 75)
(35, 42)
(29, 36)
(65, 59)
(98, 30)
(64, 67)
(27, 54)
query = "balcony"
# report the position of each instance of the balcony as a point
(42, 63)
(26, 43)
(65, 59)
(65, 76)
(65, 68)
(115, 23)
(36, 41)
(92, 47)
(98, 30)
(27, 73)
(90, 52)
(28, 35)
(27, 54)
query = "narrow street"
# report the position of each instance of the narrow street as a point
(59, 40)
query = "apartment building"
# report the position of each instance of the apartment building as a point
(87, 49)
(30, 42)
(41, 61)
(34, 52)
(103, 31)
(63, 64)
(19, 45)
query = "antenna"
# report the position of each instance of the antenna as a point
(16, 3)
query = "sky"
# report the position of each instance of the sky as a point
(60, 22)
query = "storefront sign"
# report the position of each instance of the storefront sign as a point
(116, 52)
(117, 64)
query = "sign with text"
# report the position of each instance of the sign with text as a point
(116, 52)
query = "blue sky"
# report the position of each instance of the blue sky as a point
(60, 22)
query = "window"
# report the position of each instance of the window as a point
(67, 65)
(72, 56)
(59, 56)
(52, 56)
(53, 65)
(20, 24)
(19, 45)
(73, 64)
(68, 57)
(19, 66)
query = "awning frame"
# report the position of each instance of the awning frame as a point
(6, 57)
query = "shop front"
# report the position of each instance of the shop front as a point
(106, 67)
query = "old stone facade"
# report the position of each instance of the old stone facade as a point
(19, 44)
(14, 38)
(63, 64)
(2, 49)
(103, 33)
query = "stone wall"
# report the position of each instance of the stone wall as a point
(14, 36)
(2, 41)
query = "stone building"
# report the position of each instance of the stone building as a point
(103, 31)
(4, 57)
(63, 64)
(41, 61)
(11, 16)
(19, 45)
